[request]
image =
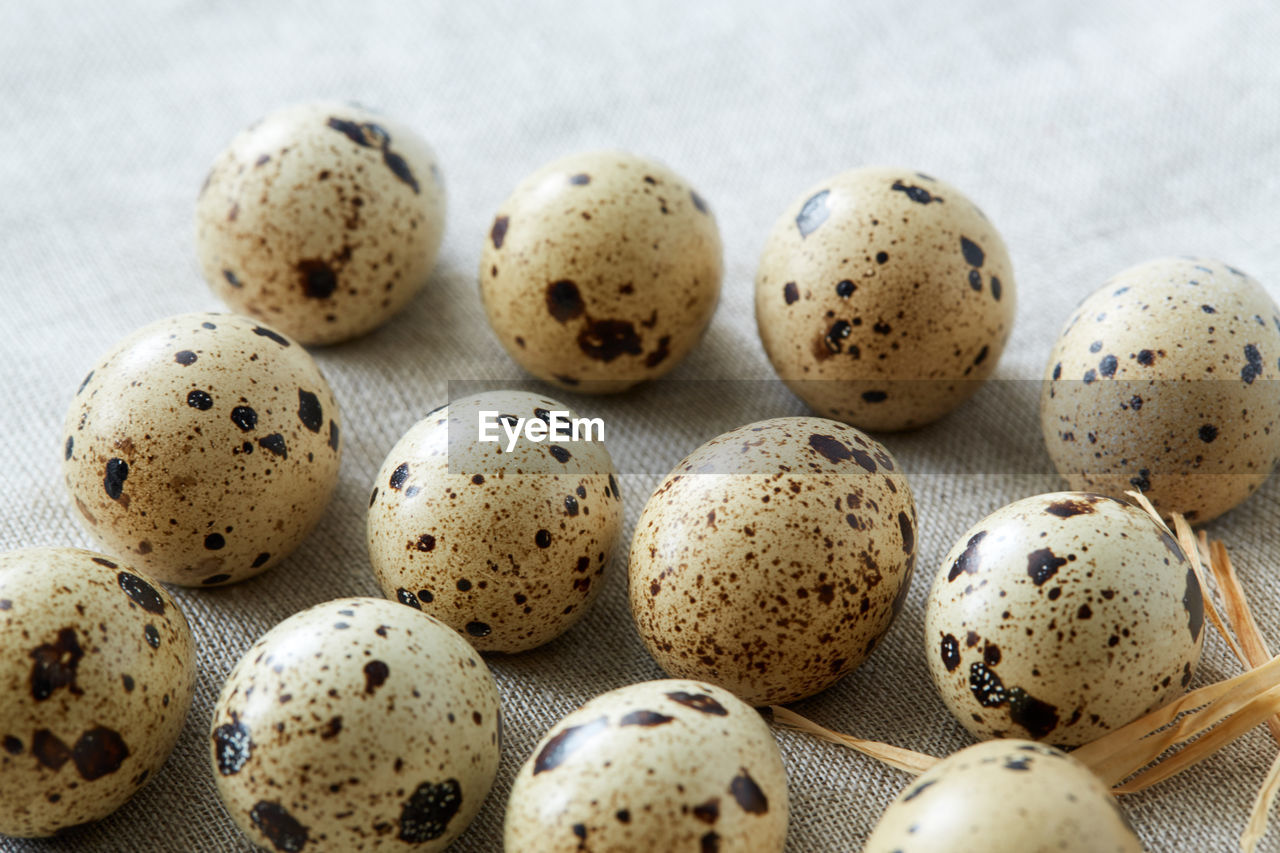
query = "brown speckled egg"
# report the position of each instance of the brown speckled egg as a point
(774, 558)
(1061, 617)
(601, 270)
(508, 547)
(204, 446)
(884, 298)
(661, 765)
(1008, 796)
(322, 219)
(97, 669)
(356, 725)
(1165, 381)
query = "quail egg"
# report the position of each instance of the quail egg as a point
(1165, 381)
(661, 765)
(357, 724)
(204, 447)
(97, 670)
(601, 270)
(322, 219)
(1061, 617)
(1010, 796)
(884, 298)
(773, 558)
(505, 541)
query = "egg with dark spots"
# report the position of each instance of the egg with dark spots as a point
(1062, 617)
(321, 735)
(773, 558)
(512, 540)
(884, 298)
(91, 709)
(208, 472)
(601, 270)
(1184, 402)
(323, 219)
(1006, 796)
(659, 765)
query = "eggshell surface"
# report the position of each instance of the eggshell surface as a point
(1165, 381)
(1009, 796)
(97, 670)
(505, 543)
(322, 219)
(601, 270)
(357, 724)
(204, 446)
(1061, 617)
(773, 558)
(884, 298)
(661, 765)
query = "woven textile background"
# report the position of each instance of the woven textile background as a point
(1094, 136)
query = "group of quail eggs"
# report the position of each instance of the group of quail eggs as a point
(767, 565)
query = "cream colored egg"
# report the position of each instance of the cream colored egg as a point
(322, 219)
(204, 447)
(356, 725)
(884, 298)
(97, 670)
(773, 558)
(1165, 381)
(1062, 617)
(505, 541)
(601, 270)
(1010, 796)
(661, 765)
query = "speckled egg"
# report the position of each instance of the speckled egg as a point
(1062, 617)
(1164, 381)
(661, 765)
(322, 219)
(884, 298)
(601, 270)
(204, 447)
(97, 669)
(506, 543)
(356, 725)
(774, 558)
(1010, 796)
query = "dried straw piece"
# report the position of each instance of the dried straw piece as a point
(1253, 646)
(906, 760)
(1235, 705)
(1257, 826)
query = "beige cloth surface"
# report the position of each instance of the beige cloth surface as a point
(1094, 136)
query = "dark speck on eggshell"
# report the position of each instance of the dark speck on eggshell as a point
(281, 828)
(813, 213)
(699, 702)
(748, 794)
(967, 562)
(426, 814)
(117, 472)
(232, 746)
(270, 335)
(399, 475)
(567, 742)
(973, 254)
(309, 410)
(140, 592)
(1193, 600)
(375, 674)
(1043, 564)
